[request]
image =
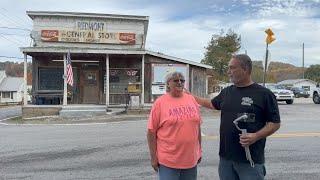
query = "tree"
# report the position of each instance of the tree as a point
(257, 72)
(313, 73)
(219, 51)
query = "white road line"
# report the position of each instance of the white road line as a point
(80, 124)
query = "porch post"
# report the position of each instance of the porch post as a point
(25, 100)
(142, 81)
(107, 80)
(65, 86)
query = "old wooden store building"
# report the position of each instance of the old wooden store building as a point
(110, 64)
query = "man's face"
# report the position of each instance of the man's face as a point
(236, 73)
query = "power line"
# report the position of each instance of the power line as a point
(17, 18)
(9, 19)
(20, 44)
(11, 57)
(6, 27)
(6, 34)
(14, 39)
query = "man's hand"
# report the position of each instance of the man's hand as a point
(248, 139)
(155, 164)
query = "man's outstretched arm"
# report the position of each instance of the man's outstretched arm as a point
(204, 102)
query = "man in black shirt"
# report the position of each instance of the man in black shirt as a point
(244, 97)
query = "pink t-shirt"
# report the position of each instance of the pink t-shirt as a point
(176, 122)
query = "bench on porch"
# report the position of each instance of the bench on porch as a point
(48, 98)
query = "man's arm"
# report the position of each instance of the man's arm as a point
(204, 102)
(267, 130)
(152, 143)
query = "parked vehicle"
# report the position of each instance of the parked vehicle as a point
(300, 92)
(316, 95)
(281, 93)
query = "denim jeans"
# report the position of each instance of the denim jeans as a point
(231, 170)
(167, 173)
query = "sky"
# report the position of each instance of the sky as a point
(183, 28)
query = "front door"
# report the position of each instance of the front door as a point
(90, 88)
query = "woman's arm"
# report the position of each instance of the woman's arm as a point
(152, 143)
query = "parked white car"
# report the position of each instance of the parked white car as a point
(316, 95)
(281, 93)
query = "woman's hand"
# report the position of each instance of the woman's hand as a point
(155, 164)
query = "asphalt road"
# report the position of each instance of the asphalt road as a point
(118, 150)
(10, 111)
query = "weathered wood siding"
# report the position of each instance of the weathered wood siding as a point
(198, 81)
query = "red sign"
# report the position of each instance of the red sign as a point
(49, 35)
(129, 38)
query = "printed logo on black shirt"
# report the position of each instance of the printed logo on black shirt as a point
(246, 101)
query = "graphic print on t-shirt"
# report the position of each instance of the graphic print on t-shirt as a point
(182, 112)
(246, 101)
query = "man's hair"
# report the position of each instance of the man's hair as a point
(245, 61)
(171, 76)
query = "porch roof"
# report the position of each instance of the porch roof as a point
(30, 50)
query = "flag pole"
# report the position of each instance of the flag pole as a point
(65, 86)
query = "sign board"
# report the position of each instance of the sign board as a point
(160, 71)
(88, 32)
(87, 37)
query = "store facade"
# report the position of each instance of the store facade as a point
(109, 61)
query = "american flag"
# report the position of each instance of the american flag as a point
(69, 70)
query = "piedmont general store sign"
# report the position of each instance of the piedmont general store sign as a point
(88, 32)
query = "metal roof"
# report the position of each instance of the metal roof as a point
(157, 54)
(33, 14)
(11, 84)
(30, 50)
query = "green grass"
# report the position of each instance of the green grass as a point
(16, 120)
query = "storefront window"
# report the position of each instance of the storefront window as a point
(121, 78)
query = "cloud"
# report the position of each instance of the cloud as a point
(183, 29)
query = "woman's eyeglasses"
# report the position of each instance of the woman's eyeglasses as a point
(179, 80)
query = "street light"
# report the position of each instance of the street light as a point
(269, 39)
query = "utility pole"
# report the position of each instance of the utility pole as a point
(269, 40)
(265, 65)
(302, 60)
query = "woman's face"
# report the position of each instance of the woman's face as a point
(176, 84)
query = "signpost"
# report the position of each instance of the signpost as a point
(269, 39)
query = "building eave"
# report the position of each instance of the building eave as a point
(33, 14)
(29, 50)
(161, 55)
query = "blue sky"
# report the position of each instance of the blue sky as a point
(183, 28)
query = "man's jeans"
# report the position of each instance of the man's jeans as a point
(231, 170)
(166, 173)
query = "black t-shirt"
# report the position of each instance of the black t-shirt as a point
(232, 101)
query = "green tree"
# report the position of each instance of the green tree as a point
(219, 51)
(313, 73)
(257, 74)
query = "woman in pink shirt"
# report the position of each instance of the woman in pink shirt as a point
(174, 135)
